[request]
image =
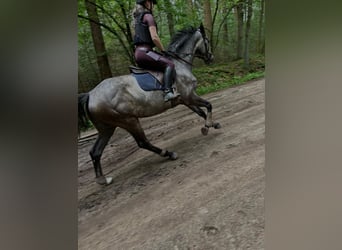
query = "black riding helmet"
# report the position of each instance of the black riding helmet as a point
(142, 1)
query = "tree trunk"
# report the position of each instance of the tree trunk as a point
(99, 45)
(208, 23)
(239, 17)
(128, 33)
(261, 21)
(225, 34)
(190, 9)
(248, 26)
(169, 15)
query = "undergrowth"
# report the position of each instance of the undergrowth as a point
(220, 76)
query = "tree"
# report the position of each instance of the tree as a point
(116, 22)
(248, 27)
(226, 9)
(239, 18)
(229, 26)
(212, 26)
(208, 21)
(261, 42)
(225, 25)
(96, 32)
(169, 15)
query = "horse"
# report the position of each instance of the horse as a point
(120, 102)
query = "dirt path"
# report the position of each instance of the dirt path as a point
(212, 197)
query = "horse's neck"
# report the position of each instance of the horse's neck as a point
(185, 80)
(184, 74)
(187, 53)
(187, 56)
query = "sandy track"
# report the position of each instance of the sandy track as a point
(212, 197)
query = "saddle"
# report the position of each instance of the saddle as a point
(148, 80)
(156, 74)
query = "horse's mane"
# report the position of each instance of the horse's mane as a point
(178, 40)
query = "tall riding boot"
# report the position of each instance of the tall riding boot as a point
(169, 76)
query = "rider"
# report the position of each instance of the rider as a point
(145, 39)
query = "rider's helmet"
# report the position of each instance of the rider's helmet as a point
(142, 1)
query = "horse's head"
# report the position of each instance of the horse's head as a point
(203, 50)
(189, 43)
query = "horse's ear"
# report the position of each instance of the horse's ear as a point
(201, 27)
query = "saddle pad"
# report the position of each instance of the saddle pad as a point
(147, 82)
(156, 74)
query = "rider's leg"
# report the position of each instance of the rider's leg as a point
(169, 76)
(156, 61)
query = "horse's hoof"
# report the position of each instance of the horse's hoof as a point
(104, 180)
(217, 125)
(173, 156)
(204, 130)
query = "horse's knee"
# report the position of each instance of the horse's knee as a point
(94, 155)
(209, 106)
(202, 113)
(143, 144)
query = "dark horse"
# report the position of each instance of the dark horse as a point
(120, 102)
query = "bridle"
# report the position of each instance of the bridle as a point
(205, 58)
(206, 42)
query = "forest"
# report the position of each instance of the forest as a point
(235, 28)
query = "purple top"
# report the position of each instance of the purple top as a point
(149, 20)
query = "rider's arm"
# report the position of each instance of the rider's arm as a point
(155, 38)
(152, 27)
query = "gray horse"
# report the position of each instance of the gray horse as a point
(120, 102)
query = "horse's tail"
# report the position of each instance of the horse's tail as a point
(83, 99)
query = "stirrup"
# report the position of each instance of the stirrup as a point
(169, 95)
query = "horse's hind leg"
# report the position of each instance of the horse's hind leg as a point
(135, 129)
(96, 153)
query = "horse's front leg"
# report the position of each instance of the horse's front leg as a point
(198, 102)
(198, 111)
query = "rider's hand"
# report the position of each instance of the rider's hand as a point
(165, 53)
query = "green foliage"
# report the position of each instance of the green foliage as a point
(85, 127)
(220, 76)
(117, 14)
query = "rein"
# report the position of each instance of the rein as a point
(175, 55)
